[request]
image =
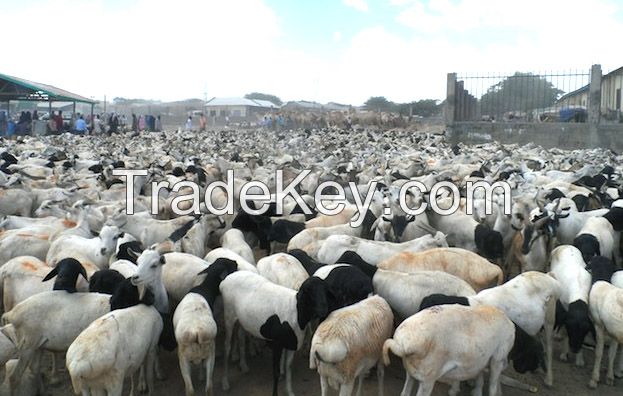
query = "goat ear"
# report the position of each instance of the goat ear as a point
(51, 274)
(133, 254)
(164, 247)
(224, 274)
(162, 260)
(203, 271)
(320, 301)
(83, 272)
(9, 332)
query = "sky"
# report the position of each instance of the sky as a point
(324, 50)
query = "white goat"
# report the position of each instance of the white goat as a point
(96, 251)
(452, 343)
(404, 292)
(233, 239)
(29, 241)
(606, 308)
(343, 351)
(51, 321)
(374, 252)
(282, 269)
(113, 347)
(467, 265)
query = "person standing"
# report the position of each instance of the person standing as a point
(51, 126)
(28, 129)
(113, 124)
(203, 122)
(3, 123)
(80, 126)
(134, 123)
(158, 127)
(141, 123)
(59, 121)
(189, 123)
(98, 124)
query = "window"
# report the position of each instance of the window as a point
(236, 113)
(212, 113)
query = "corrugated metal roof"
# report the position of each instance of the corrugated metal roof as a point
(573, 93)
(30, 90)
(586, 87)
(240, 102)
(265, 103)
(304, 104)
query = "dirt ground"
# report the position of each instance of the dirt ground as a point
(568, 379)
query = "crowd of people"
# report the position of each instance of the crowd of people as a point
(25, 123)
(277, 121)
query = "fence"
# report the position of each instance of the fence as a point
(532, 97)
(556, 109)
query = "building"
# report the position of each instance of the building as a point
(611, 106)
(30, 95)
(304, 105)
(238, 109)
(577, 98)
(611, 85)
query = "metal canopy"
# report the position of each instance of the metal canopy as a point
(14, 88)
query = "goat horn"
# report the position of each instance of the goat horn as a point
(541, 222)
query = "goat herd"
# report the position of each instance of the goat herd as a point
(105, 294)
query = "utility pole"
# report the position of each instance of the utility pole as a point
(104, 104)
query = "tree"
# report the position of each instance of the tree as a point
(424, 108)
(520, 92)
(263, 96)
(379, 103)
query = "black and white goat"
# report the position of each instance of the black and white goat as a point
(572, 310)
(194, 324)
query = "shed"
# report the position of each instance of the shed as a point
(15, 88)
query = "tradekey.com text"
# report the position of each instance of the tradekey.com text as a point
(330, 197)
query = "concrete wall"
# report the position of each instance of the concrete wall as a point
(548, 135)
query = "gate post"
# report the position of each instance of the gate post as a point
(594, 96)
(450, 107)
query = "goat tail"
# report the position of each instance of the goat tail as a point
(394, 347)
(76, 370)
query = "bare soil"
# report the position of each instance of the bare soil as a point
(569, 380)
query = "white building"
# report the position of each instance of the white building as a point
(238, 109)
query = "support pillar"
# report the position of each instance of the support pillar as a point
(450, 107)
